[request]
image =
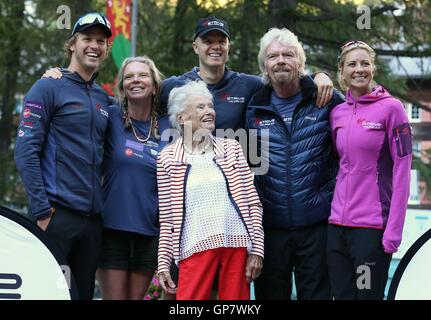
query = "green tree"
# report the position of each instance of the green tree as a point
(30, 42)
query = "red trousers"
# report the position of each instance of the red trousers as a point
(197, 274)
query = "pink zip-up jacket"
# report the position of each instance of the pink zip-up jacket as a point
(373, 139)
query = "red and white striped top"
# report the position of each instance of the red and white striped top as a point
(172, 171)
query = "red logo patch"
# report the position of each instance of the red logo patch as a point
(129, 152)
(224, 95)
(26, 113)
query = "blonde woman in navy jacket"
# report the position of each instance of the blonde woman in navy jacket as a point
(210, 213)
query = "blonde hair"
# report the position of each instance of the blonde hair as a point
(342, 59)
(72, 40)
(157, 78)
(68, 44)
(286, 37)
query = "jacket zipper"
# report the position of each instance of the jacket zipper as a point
(399, 144)
(238, 211)
(289, 158)
(348, 163)
(87, 86)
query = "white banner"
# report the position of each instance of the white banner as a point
(412, 280)
(30, 265)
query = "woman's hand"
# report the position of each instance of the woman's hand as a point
(254, 267)
(165, 280)
(54, 73)
(324, 89)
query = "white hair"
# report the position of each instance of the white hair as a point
(178, 98)
(286, 37)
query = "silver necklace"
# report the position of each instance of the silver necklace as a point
(138, 137)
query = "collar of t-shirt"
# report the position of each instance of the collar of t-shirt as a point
(286, 106)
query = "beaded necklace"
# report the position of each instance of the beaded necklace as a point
(202, 151)
(137, 136)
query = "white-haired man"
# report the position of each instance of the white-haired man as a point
(296, 191)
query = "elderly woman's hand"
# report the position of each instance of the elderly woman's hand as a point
(165, 280)
(253, 267)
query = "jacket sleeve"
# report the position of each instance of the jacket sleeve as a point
(256, 210)
(400, 146)
(337, 98)
(167, 86)
(165, 251)
(34, 121)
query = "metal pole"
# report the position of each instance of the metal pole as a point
(134, 27)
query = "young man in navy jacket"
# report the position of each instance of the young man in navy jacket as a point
(59, 147)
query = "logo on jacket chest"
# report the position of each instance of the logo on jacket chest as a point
(102, 111)
(370, 124)
(226, 96)
(264, 122)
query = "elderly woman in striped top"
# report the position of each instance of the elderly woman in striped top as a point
(210, 213)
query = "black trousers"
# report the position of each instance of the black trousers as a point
(79, 238)
(358, 266)
(301, 251)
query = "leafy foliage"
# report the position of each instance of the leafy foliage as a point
(30, 43)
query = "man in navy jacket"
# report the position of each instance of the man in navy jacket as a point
(59, 147)
(296, 190)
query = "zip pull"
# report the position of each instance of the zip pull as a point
(397, 137)
(354, 108)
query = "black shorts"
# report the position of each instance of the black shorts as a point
(128, 251)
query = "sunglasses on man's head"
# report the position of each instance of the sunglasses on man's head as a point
(91, 18)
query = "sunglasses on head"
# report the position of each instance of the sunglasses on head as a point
(89, 19)
(354, 42)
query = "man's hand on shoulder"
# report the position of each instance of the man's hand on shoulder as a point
(324, 89)
(54, 73)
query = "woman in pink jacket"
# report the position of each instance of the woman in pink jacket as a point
(210, 213)
(372, 136)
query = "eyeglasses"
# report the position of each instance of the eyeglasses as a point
(89, 19)
(354, 42)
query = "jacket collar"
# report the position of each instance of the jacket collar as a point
(178, 149)
(76, 77)
(228, 74)
(263, 97)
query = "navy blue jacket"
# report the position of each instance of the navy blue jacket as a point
(129, 176)
(59, 145)
(231, 95)
(298, 187)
